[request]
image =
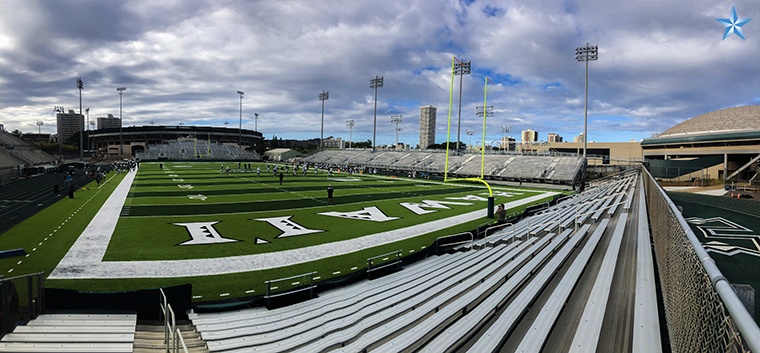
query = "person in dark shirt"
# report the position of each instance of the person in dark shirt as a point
(330, 194)
(281, 176)
(501, 214)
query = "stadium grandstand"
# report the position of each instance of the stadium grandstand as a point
(550, 168)
(16, 154)
(153, 141)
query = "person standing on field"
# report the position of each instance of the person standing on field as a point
(330, 194)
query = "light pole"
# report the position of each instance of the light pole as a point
(586, 54)
(350, 124)
(461, 68)
(240, 126)
(505, 130)
(256, 121)
(121, 123)
(469, 134)
(325, 95)
(58, 109)
(226, 123)
(80, 85)
(39, 126)
(396, 119)
(86, 126)
(375, 83)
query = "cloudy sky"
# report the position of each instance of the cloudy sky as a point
(182, 61)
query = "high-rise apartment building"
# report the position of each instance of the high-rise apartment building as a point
(552, 137)
(529, 136)
(69, 124)
(108, 122)
(427, 126)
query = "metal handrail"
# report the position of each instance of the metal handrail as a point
(558, 221)
(500, 226)
(179, 342)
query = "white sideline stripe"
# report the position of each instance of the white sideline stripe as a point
(85, 258)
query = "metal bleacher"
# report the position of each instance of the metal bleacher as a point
(73, 333)
(194, 150)
(466, 300)
(513, 167)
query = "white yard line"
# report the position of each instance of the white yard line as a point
(85, 258)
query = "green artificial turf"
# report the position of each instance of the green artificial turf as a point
(146, 229)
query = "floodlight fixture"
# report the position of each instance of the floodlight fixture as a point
(375, 83)
(585, 54)
(350, 124)
(121, 122)
(325, 95)
(240, 126)
(396, 119)
(461, 68)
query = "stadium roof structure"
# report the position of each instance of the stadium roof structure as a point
(731, 125)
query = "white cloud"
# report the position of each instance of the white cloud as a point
(184, 60)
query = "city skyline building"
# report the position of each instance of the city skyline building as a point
(553, 137)
(427, 126)
(108, 122)
(529, 136)
(68, 124)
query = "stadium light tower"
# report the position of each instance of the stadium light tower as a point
(505, 130)
(80, 85)
(240, 126)
(396, 119)
(586, 54)
(256, 121)
(350, 124)
(375, 83)
(58, 109)
(39, 126)
(325, 95)
(469, 134)
(121, 123)
(87, 127)
(461, 68)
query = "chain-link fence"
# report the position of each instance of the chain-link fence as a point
(702, 312)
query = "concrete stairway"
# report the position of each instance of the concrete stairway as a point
(149, 338)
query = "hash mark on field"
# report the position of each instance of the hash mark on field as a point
(40, 244)
(295, 283)
(11, 270)
(273, 288)
(316, 278)
(250, 291)
(27, 255)
(385, 259)
(354, 268)
(19, 263)
(224, 294)
(34, 249)
(336, 272)
(411, 251)
(197, 296)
